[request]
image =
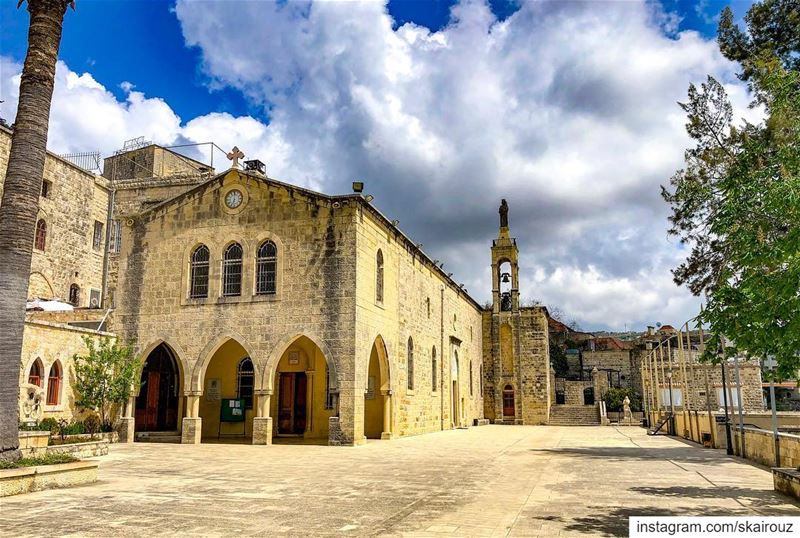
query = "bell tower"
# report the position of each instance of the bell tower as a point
(505, 269)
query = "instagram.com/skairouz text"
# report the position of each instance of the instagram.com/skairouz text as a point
(713, 527)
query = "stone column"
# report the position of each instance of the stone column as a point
(192, 423)
(387, 414)
(127, 422)
(262, 422)
(346, 418)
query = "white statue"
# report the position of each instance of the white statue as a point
(626, 410)
(30, 403)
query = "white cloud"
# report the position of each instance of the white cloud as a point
(568, 110)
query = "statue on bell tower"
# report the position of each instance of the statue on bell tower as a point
(504, 214)
(505, 278)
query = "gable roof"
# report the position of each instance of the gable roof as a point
(356, 198)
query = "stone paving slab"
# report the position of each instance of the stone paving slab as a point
(487, 481)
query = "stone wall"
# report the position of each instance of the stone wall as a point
(76, 199)
(530, 377)
(149, 161)
(52, 343)
(419, 303)
(618, 360)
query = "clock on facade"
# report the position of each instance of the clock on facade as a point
(233, 199)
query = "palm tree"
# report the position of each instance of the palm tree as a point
(20, 202)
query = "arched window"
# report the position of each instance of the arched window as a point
(74, 295)
(266, 266)
(36, 373)
(244, 382)
(232, 270)
(410, 368)
(54, 384)
(379, 276)
(434, 370)
(199, 273)
(41, 235)
(480, 379)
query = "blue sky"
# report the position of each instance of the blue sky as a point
(140, 41)
(443, 107)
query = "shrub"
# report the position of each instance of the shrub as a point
(49, 424)
(615, 397)
(92, 424)
(47, 459)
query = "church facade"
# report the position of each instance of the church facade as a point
(261, 309)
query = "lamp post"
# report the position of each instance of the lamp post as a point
(671, 403)
(729, 449)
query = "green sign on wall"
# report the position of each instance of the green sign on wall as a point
(231, 410)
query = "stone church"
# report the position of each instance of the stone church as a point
(264, 310)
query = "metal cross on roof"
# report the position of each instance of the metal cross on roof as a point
(234, 155)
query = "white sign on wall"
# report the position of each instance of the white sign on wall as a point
(214, 390)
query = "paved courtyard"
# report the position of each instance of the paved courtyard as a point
(487, 481)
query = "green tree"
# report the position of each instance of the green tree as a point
(20, 202)
(615, 398)
(737, 201)
(106, 376)
(558, 359)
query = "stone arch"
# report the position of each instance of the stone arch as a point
(384, 363)
(267, 381)
(177, 352)
(39, 286)
(195, 384)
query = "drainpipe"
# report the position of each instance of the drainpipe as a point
(441, 358)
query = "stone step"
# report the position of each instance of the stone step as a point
(574, 415)
(158, 437)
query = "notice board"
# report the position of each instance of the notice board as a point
(231, 410)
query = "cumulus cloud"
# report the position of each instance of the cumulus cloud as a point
(566, 109)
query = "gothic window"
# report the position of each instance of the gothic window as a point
(97, 237)
(434, 380)
(41, 235)
(46, 188)
(54, 384)
(410, 368)
(199, 273)
(379, 277)
(266, 268)
(232, 270)
(74, 295)
(35, 375)
(244, 382)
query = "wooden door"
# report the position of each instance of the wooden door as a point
(508, 403)
(151, 413)
(286, 403)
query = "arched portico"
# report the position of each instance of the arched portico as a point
(224, 399)
(158, 403)
(378, 395)
(302, 377)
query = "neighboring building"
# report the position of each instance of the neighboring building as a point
(70, 239)
(67, 264)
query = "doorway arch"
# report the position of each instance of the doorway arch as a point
(377, 396)
(158, 400)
